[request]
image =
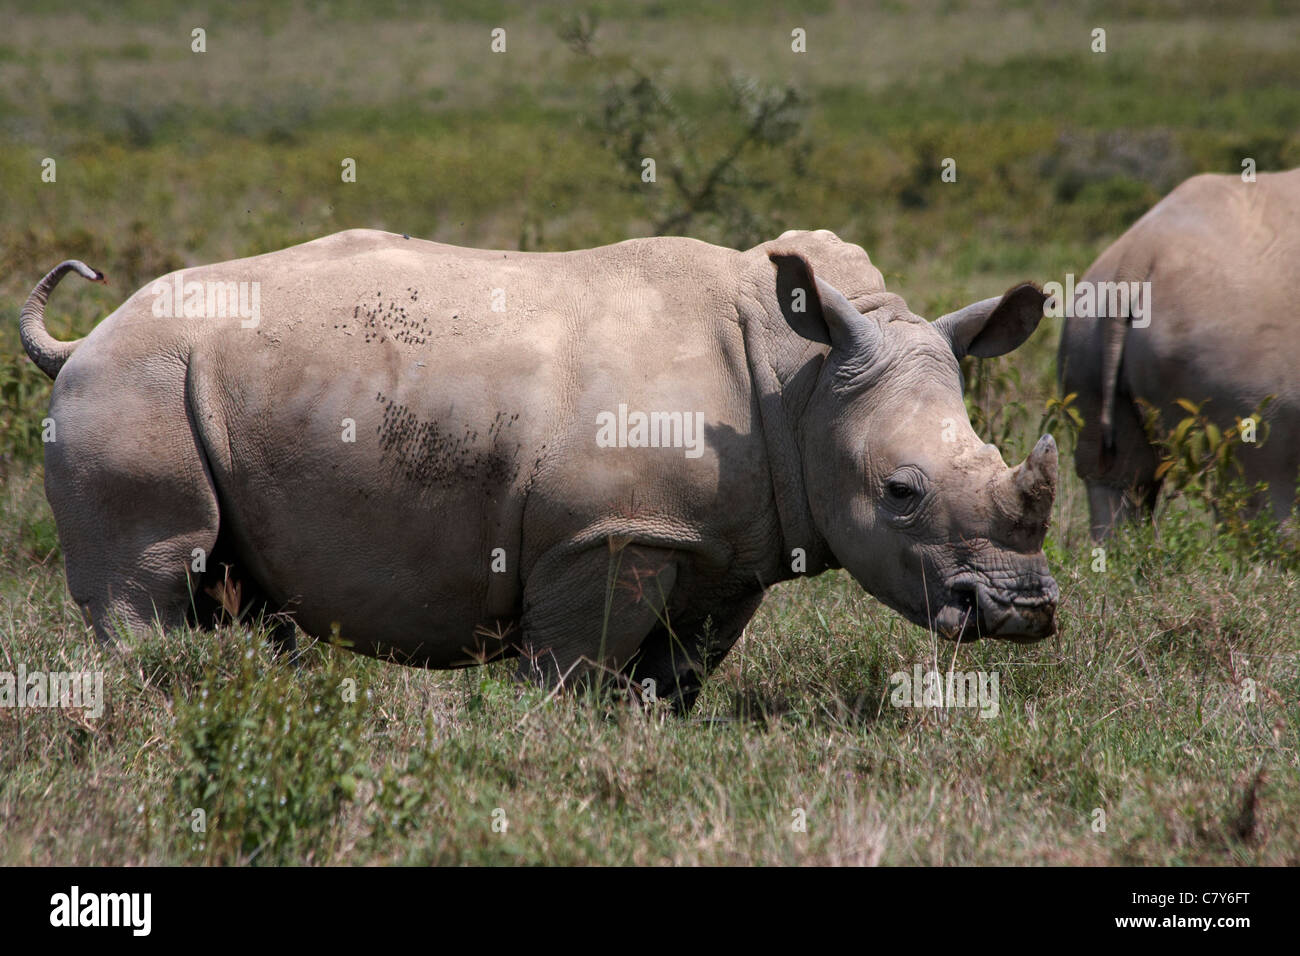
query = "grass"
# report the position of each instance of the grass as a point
(1139, 708)
(1169, 701)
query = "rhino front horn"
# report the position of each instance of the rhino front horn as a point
(1035, 483)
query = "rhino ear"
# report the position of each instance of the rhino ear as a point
(816, 310)
(994, 326)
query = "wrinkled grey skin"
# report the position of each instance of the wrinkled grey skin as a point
(837, 433)
(1223, 260)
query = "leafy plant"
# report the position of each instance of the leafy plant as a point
(1061, 419)
(268, 752)
(1200, 462)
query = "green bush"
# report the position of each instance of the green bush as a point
(269, 752)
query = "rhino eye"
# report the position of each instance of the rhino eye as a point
(904, 490)
(899, 491)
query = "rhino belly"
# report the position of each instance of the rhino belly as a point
(386, 580)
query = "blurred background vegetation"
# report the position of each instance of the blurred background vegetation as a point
(167, 157)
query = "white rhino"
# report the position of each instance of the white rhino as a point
(593, 459)
(1221, 325)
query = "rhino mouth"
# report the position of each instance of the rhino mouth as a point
(1020, 608)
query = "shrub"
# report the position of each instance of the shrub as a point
(269, 752)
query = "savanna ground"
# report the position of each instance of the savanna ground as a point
(1168, 700)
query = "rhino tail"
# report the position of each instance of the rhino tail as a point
(1113, 335)
(45, 350)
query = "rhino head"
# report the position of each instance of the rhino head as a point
(926, 516)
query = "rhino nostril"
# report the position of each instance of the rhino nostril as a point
(966, 598)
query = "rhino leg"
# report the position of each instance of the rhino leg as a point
(125, 585)
(587, 613)
(679, 659)
(129, 574)
(1109, 506)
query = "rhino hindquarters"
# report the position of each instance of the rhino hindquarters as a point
(130, 491)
